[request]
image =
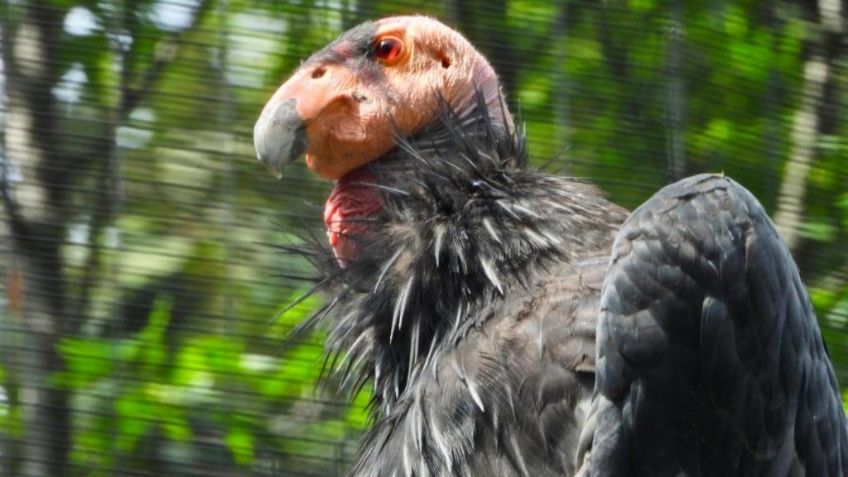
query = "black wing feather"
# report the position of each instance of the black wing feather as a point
(710, 358)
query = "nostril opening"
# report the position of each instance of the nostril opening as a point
(446, 62)
(318, 73)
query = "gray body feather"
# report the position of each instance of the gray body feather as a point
(472, 309)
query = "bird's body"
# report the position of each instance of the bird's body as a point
(475, 294)
(473, 300)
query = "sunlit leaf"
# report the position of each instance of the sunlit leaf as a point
(240, 442)
(135, 417)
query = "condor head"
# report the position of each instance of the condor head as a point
(347, 103)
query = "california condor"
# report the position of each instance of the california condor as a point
(517, 323)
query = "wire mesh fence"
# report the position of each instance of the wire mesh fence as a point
(141, 330)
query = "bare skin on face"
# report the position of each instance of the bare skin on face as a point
(354, 97)
(378, 81)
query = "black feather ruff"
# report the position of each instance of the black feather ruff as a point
(462, 224)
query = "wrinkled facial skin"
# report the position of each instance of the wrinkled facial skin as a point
(345, 105)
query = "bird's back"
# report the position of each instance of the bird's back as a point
(710, 358)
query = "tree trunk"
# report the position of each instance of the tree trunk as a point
(34, 199)
(806, 123)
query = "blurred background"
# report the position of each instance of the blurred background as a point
(141, 331)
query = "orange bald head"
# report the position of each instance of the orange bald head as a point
(345, 105)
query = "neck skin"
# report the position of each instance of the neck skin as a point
(355, 200)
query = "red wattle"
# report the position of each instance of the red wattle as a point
(353, 198)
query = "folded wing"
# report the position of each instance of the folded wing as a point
(710, 360)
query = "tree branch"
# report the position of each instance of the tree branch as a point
(106, 192)
(165, 54)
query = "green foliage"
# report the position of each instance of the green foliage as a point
(140, 388)
(10, 414)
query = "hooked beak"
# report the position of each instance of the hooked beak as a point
(279, 135)
(282, 133)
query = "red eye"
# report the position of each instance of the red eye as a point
(388, 49)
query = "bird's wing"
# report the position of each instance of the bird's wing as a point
(710, 360)
(510, 397)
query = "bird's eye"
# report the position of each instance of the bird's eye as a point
(388, 50)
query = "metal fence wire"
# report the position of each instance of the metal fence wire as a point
(141, 328)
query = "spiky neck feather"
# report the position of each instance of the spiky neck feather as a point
(462, 224)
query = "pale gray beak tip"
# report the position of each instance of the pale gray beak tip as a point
(273, 167)
(279, 136)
